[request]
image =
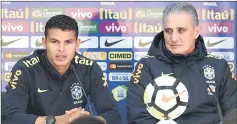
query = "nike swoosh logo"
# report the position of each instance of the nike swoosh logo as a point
(167, 99)
(215, 43)
(37, 43)
(162, 74)
(141, 44)
(10, 42)
(107, 44)
(83, 41)
(42, 91)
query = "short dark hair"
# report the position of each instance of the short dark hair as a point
(63, 22)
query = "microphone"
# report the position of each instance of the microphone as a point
(89, 105)
(217, 102)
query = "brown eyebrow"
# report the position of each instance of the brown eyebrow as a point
(181, 28)
(53, 39)
(167, 28)
(58, 40)
(69, 39)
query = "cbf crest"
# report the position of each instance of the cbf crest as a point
(76, 91)
(209, 72)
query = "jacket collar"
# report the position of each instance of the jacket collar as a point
(50, 69)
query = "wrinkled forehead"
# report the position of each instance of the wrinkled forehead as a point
(178, 19)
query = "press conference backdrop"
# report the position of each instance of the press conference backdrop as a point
(115, 34)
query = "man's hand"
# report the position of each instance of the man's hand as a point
(76, 113)
(62, 119)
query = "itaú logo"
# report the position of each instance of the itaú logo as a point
(145, 27)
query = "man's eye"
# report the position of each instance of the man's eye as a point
(168, 31)
(53, 41)
(68, 41)
(181, 30)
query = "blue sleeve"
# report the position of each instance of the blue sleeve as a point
(102, 98)
(16, 99)
(228, 94)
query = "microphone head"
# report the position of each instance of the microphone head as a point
(230, 117)
(88, 120)
(72, 67)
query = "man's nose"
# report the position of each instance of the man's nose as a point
(174, 37)
(61, 47)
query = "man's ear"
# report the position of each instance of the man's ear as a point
(197, 31)
(44, 42)
(78, 43)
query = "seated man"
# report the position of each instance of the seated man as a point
(45, 88)
(178, 82)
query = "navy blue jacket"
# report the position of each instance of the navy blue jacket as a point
(37, 89)
(196, 71)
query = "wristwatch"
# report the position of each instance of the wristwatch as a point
(50, 120)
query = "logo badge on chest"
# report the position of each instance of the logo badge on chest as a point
(76, 91)
(209, 72)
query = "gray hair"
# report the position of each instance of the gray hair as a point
(181, 7)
